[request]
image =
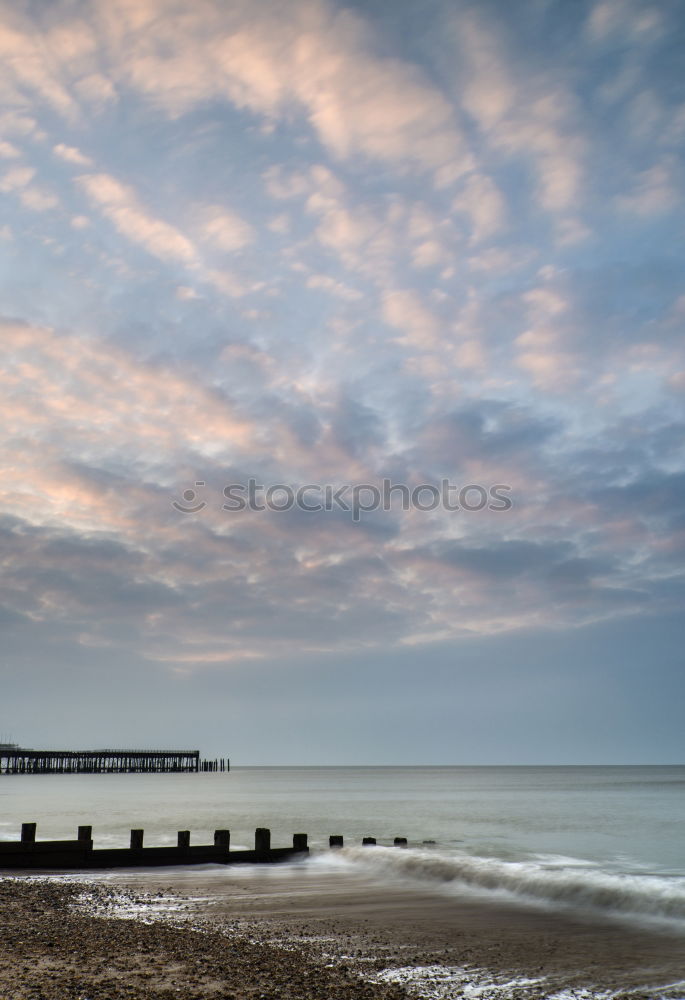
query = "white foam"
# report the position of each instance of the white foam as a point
(549, 882)
(438, 982)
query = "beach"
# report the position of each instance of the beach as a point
(273, 934)
(54, 949)
(536, 883)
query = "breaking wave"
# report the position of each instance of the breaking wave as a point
(568, 883)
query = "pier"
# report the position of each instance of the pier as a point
(19, 760)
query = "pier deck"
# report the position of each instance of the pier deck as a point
(20, 760)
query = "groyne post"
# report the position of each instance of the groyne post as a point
(28, 833)
(335, 840)
(262, 839)
(400, 841)
(85, 833)
(137, 839)
(184, 838)
(299, 841)
(222, 838)
(368, 841)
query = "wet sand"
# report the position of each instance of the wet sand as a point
(294, 933)
(368, 926)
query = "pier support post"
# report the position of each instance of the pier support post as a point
(222, 838)
(262, 839)
(137, 839)
(335, 841)
(400, 841)
(28, 833)
(184, 838)
(299, 841)
(368, 841)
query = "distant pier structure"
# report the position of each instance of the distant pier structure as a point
(19, 760)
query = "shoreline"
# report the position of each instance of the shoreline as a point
(280, 933)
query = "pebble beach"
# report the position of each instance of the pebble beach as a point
(191, 935)
(53, 947)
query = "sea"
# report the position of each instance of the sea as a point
(597, 841)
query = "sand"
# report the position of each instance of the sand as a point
(284, 936)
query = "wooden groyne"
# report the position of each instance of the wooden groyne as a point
(75, 855)
(63, 855)
(19, 760)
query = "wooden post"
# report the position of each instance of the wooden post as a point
(299, 841)
(184, 838)
(85, 833)
(367, 841)
(136, 839)
(262, 839)
(400, 841)
(222, 838)
(335, 841)
(28, 833)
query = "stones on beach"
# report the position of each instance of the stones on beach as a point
(61, 947)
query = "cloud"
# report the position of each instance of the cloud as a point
(38, 200)
(70, 154)
(482, 202)
(371, 265)
(18, 181)
(312, 57)
(103, 402)
(529, 116)
(624, 18)
(16, 178)
(25, 66)
(654, 192)
(120, 204)
(226, 230)
(95, 90)
(404, 311)
(333, 287)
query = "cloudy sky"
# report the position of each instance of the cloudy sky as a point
(319, 243)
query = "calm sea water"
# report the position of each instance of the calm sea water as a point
(605, 838)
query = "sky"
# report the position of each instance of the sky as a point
(432, 245)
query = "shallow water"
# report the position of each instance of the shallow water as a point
(597, 847)
(595, 839)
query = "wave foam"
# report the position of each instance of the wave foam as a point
(568, 885)
(441, 982)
